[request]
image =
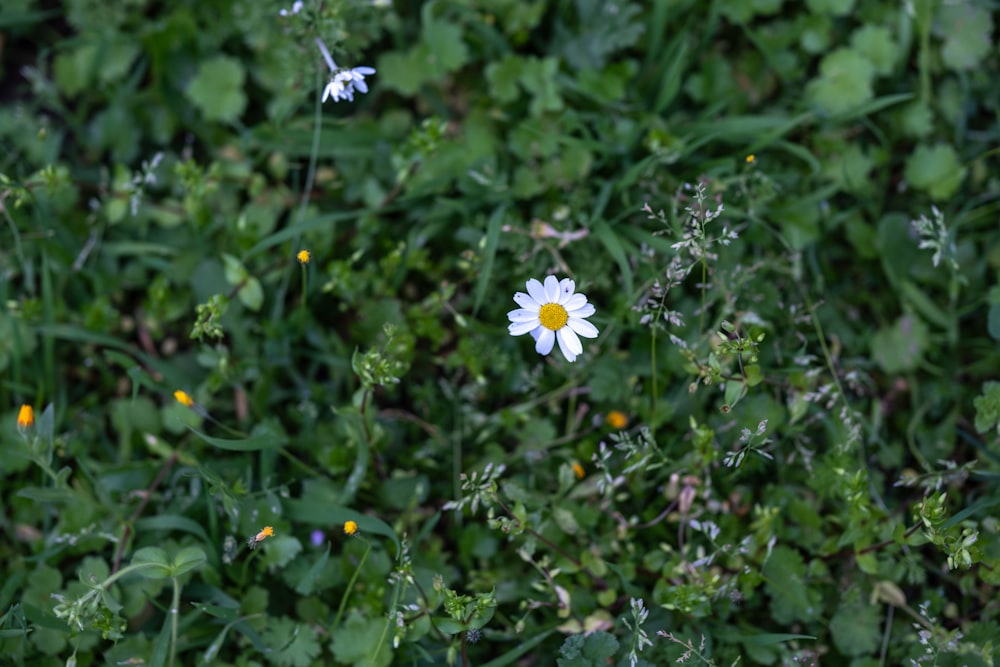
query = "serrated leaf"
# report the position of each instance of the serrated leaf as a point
(591, 650)
(292, 644)
(936, 170)
(502, 77)
(217, 89)
(988, 407)
(444, 42)
(844, 82)
(875, 43)
(856, 629)
(361, 643)
(967, 32)
(792, 598)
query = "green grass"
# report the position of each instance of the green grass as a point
(782, 447)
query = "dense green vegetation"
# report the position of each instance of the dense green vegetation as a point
(263, 406)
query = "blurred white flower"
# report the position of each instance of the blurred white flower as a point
(550, 313)
(296, 8)
(343, 81)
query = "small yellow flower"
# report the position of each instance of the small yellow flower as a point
(350, 527)
(751, 158)
(266, 532)
(304, 256)
(578, 470)
(617, 419)
(184, 399)
(25, 417)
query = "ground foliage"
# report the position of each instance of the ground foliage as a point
(781, 449)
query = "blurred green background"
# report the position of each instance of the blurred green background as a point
(782, 449)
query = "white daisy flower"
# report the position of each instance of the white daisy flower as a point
(553, 312)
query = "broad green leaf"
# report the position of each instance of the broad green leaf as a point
(503, 76)
(900, 347)
(875, 43)
(968, 34)
(217, 89)
(935, 170)
(844, 81)
(362, 642)
(857, 629)
(987, 407)
(792, 598)
(307, 584)
(187, 559)
(155, 562)
(587, 650)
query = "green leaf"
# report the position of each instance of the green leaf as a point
(503, 76)
(263, 438)
(968, 34)
(157, 565)
(292, 644)
(845, 81)
(590, 650)
(307, 584)
(493, 227)
(792, 598)
(935, 170)
(988, 408)
(917, 119)
(900, 347)
(188, 559)
(875, 43)
(443, 40)
(856, 629)
(539, 76)
(217, 89)
(361, 642)
(831, 7)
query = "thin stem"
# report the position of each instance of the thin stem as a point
(350, 585)
(175, 606)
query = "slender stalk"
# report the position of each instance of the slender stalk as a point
(350, 585)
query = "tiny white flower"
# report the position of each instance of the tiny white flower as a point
(296, 8)
(337, 90)
(345, 82)
(550, 313)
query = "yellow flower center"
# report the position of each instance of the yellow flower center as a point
(553, 316)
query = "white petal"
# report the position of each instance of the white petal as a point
(582, 327)
(545, 340)
(526, 302)
(566, 289)
(574, 302)
(521, 328)
(536, 291)
(551, 290)
(569, 343)
(363, 70)
(583, 311)
(523, 315)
